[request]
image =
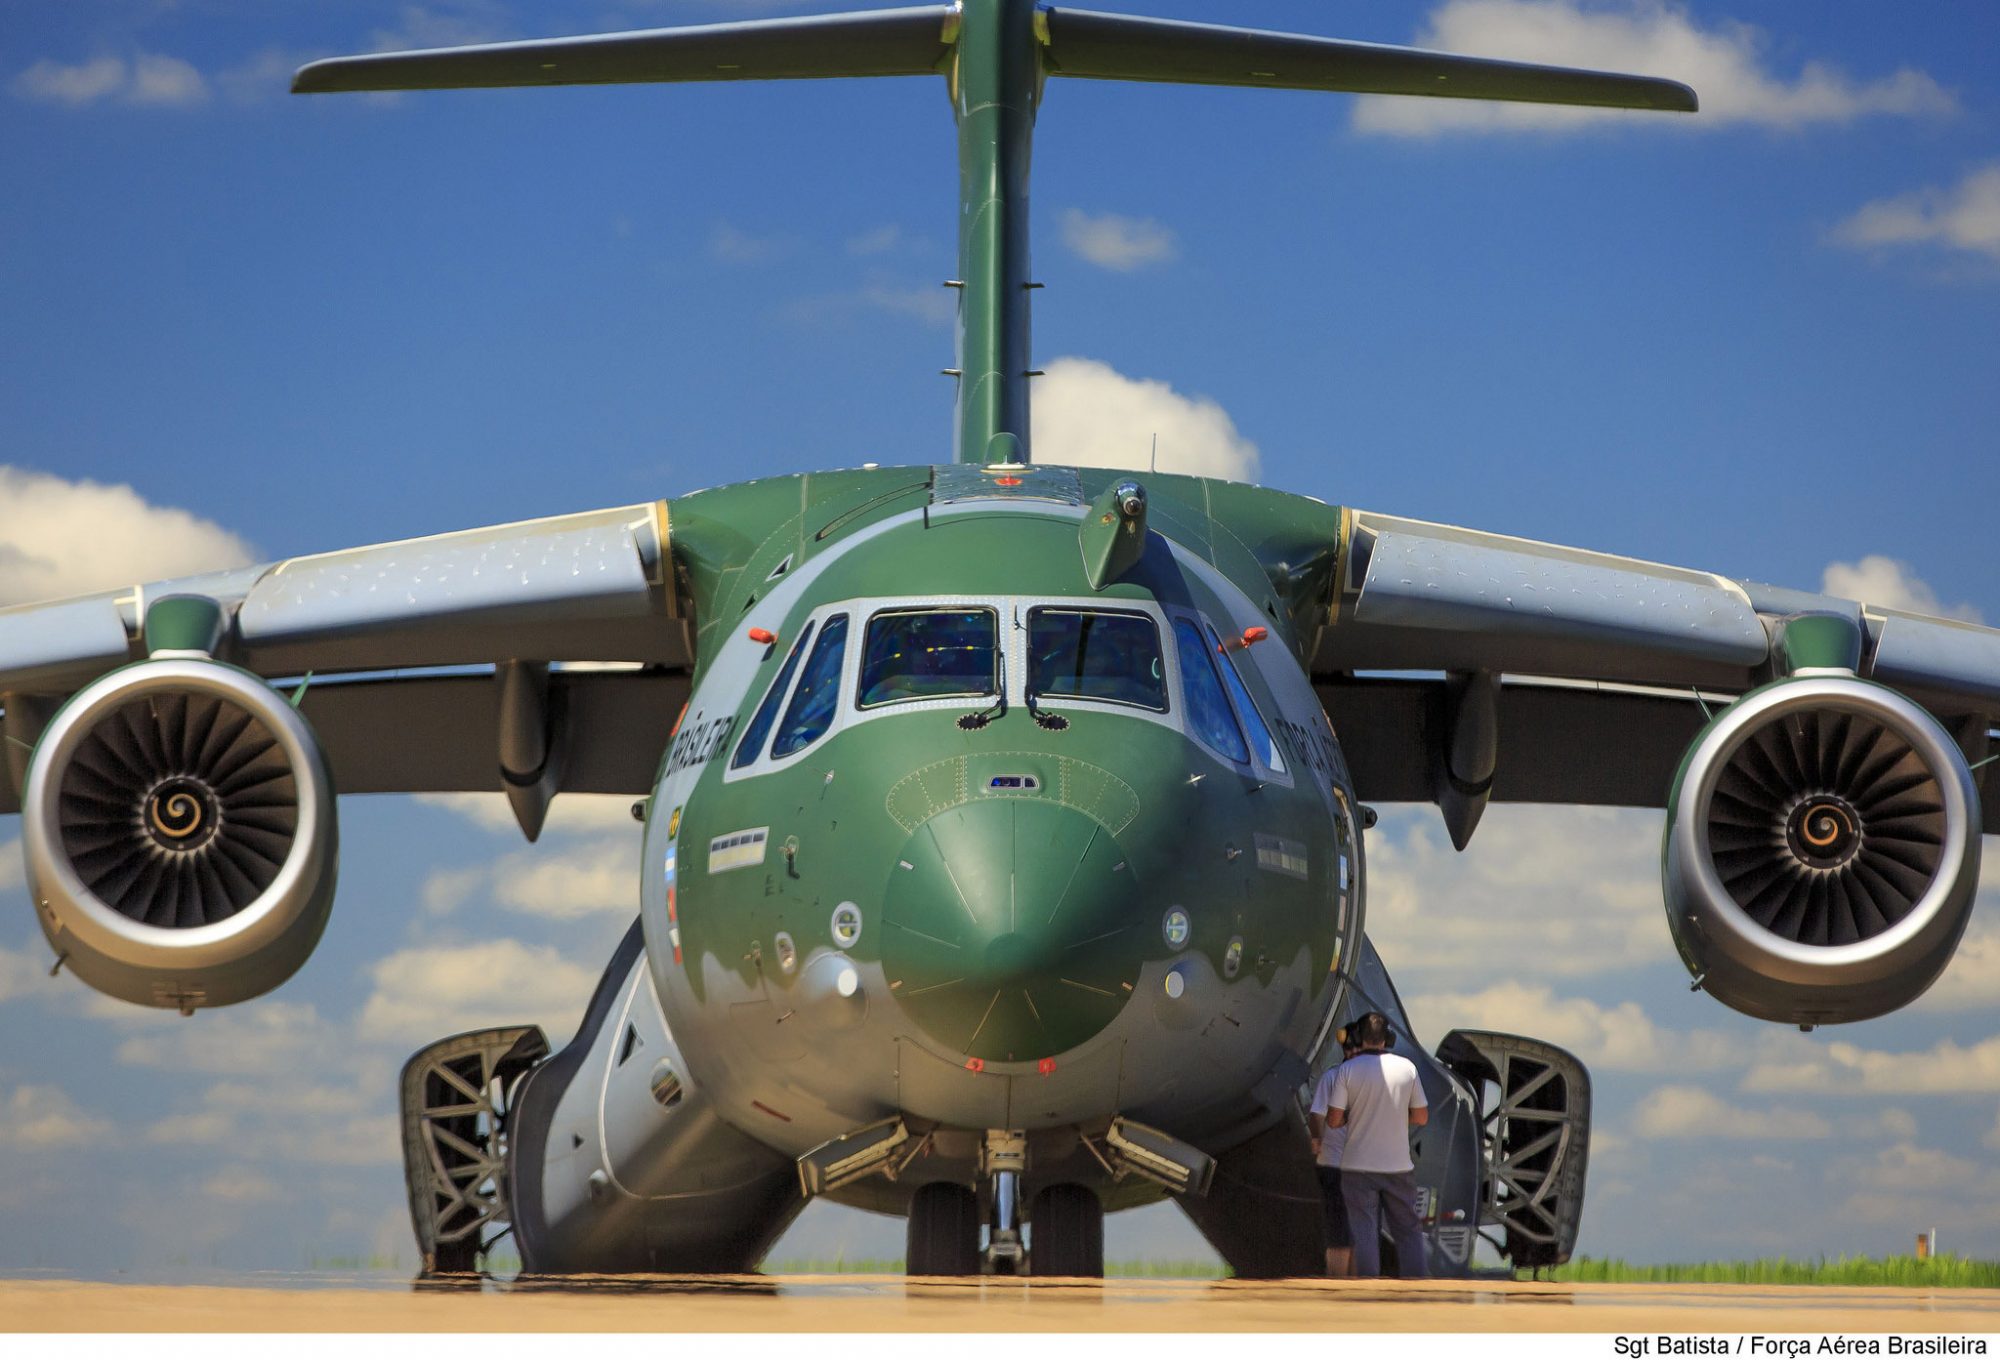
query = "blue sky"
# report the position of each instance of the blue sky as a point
(241, 325)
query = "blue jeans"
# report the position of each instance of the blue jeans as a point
(1372, 1196)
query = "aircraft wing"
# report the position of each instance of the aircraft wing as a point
(410, 648)
(1552, 674)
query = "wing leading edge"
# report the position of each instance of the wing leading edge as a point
(1591, 673)
(411, 644)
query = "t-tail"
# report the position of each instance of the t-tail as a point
(995, 56)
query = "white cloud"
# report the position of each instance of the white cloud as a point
(733, 245)
(580, 879)
(932, 306)
(422, 993)
(1113, 242)
(1946, 1068)
(149, 80)
(1588, 879)
(454, 23)
(599, 877)
(1620, 1037)
(240, 1185)
(1898, 1123)
(198, 1127)
(267, 1037)
(305, 1119)
(928, 304)
(65, 538)
(1992, 1138)
(569, 814)
(265, 76)
(1971, 980)
(1691, 1112)
(1964, 216)
(1890, 584)
(1726, 65)
(877, 241)
(34, 1117)
(12, 869)
(51, 82)
(1088, 414)
(165, 82)
(21, 974)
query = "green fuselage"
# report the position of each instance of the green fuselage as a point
(984, 902)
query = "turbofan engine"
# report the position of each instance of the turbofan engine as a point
(178, 827)
(1822, 851)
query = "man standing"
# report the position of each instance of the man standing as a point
(1327, 1146)
(1377, 1100)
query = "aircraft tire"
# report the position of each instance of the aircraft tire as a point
(944, 1231)
(1067, 1225)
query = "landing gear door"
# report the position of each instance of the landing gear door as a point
(1534, 1102)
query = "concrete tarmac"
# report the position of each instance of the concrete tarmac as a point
(892, 1304)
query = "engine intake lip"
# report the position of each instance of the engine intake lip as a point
(258, 913)
(1759, 937)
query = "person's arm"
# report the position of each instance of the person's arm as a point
(1316, 1117)
(1336, 1100)
(1420, 1104)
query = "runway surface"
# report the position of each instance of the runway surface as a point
(892, 1304)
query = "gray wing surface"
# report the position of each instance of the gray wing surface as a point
(406, 643)
(1592, 673)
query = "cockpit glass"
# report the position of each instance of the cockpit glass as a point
(928, 654)
(1253, 721)
(1089, 654)
(767, 712)
(1207, 706)
(813, 704)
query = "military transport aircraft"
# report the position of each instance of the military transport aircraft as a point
(1004, 823)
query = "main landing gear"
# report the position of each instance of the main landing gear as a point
(1066, 1223)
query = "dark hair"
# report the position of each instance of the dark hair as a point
(1373, 1029)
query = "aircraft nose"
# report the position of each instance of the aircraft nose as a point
(1013, 928)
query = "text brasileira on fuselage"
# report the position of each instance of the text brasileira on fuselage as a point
(1004, 823)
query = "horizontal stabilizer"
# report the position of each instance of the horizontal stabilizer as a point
(1127, 47)
(890, 42)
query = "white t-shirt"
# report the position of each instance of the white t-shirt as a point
(1378, 1091)
(1333, 1141)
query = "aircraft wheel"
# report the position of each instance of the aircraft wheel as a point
(944, 1231)
(1066, 1226)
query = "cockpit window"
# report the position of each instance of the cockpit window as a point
(1246, 708)
(812, 707)
(1208, 707)
(1090, 654)
(928, 654)
(767, 712)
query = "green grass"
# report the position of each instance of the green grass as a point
(1940, 1272)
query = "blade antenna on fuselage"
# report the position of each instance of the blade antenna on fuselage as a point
(995, 55)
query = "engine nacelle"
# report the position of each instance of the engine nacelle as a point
(1822, 851)
(178, 827)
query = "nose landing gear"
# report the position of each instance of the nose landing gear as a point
(1004, 1158)
(1065, 1221)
